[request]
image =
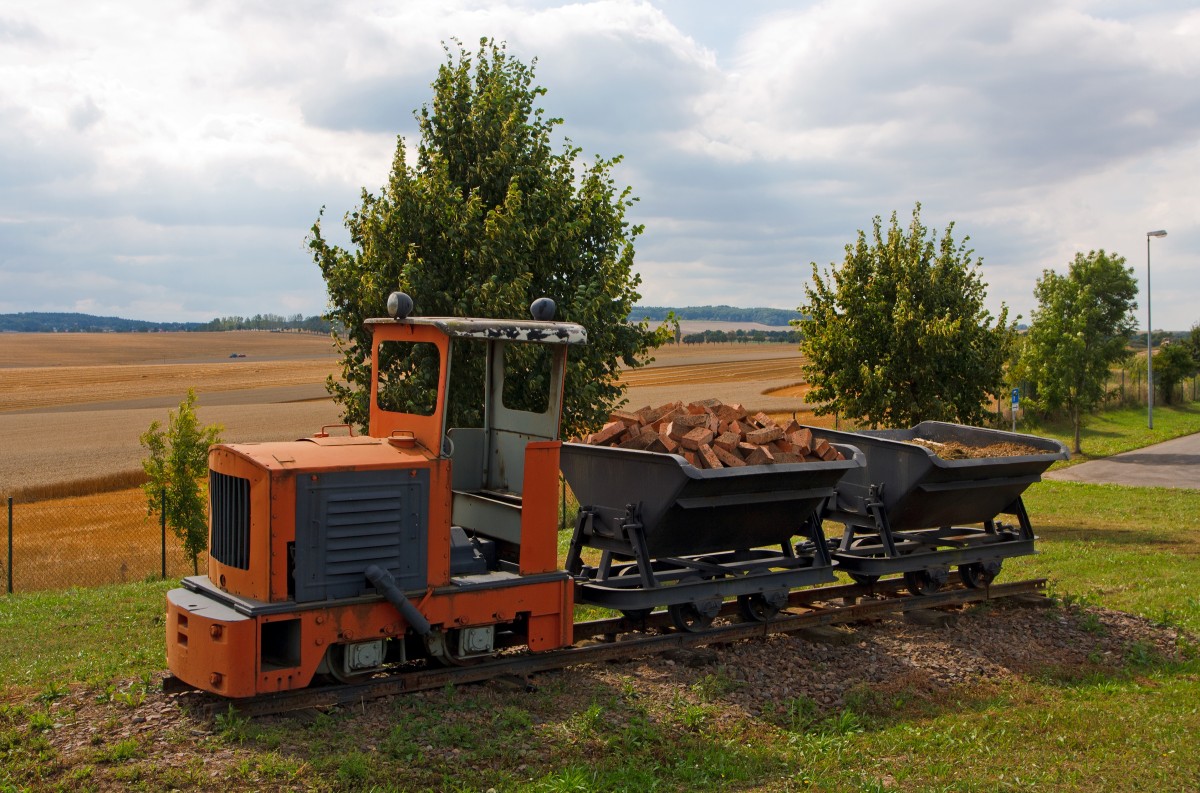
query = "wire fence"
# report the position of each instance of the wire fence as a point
(85, 541)
(106, 538)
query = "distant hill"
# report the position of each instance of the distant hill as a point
(774, 317)
(60, 322)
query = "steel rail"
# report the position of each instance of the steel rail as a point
(817, 604)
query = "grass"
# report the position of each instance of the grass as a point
(90, 656)
(1119, 430)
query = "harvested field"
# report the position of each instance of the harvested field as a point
(73, 405)
(90, 540)
(102, 349)
(45, 387)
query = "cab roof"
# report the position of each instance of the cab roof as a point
(520, 330)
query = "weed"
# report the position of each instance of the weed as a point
(588, 722)
(1141, 654)
(1090, 622)
(575, 779)
(715, 685)
(844, 722)
(232, 726)
(40, 721)
(51, 692)
(511, 719)
(354, 769)
(797, 714)
(121, 751)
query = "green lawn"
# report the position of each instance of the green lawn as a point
(1120, 430)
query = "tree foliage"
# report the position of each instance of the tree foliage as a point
(1079, 330)
(898, 333)
(177, 467)
(488, 219)
(1173, 363)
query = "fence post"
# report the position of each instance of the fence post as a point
(10, 532)
(162, 519)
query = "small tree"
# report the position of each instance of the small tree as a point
(177, 465)
(1079, 330)
(488, 219)
(1172, 364)
(898, 334)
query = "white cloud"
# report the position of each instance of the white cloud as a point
(166, 161)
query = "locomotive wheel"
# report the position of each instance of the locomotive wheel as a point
(756, 608)
(688, 618)
(922, 582)
(335, 658)
(978, 575)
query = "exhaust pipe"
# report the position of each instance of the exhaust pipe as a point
(383, 581)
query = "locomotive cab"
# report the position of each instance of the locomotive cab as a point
(433, 535)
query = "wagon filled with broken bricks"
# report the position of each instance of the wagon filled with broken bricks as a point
(929, 498)
(691, 505)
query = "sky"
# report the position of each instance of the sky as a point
(166, 160)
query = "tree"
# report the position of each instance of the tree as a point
(1173, 363)
(177, 465)
(1079, 331)
(898, 334)
(1192, 343)
(487, 220)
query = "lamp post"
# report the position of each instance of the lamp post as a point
(1149, 330)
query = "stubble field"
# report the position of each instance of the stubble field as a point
(73, 405)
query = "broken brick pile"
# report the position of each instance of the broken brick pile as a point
(711, 434)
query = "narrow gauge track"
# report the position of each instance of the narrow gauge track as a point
(806, 609)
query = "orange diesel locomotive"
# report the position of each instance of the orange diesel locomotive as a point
(340, 555)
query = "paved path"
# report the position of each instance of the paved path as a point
(1174, 463)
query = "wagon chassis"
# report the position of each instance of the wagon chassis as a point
(829, 605)
(870, 550)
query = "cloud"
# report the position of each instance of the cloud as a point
(172, 158)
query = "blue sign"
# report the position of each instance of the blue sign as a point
(1016, 397)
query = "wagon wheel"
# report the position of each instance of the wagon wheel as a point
(924, 582)
(979, 574)
(756, 608)
(863, 579)
(688, 617)
(633, 615)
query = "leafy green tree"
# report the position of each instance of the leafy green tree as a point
(898, 334)
(1079, 330)
(488, 219)
(1192, 343)
(1172, 364)
(177, 466)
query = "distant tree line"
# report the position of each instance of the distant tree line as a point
(776, 317)
(61, 322)
(315, 324)
(742, 336)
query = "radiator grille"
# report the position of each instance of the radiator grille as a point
(229, 506)
(348, 521)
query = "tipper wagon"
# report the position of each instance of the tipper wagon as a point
(903, 510)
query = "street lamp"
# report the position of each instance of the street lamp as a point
(1149, 329)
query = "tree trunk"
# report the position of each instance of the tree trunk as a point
(1075, 421)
